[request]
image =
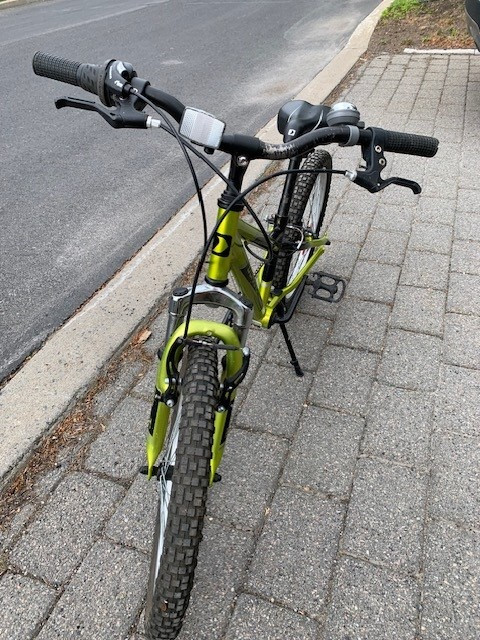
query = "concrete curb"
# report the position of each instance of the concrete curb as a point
(72, 358)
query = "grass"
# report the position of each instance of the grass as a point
(400, 8)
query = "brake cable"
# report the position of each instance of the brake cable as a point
(238, 198)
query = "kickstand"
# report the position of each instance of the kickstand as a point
(293, 361)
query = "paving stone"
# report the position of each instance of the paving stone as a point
(349, 228)
(398, 425)
(468, 171)
(391, 121)
(464, 294)
(104, 597)
(410, 360)
(308, 336)
(455, 486)
(468, 199)
(422, 116)
(59, 537)
(360, 324)
(385, 515)
(451, 596)
(445, 135)
(462, 340)
(316, 308)
(369, 603)
(16, 525)
(133, 522)
(339, 259)
(356, 199)
(373, 281)
(250, 469)
(24, 603)
(411, 167)
(385, 247)
(425, 270)
(324, 451)
(467, 226)
(457, 407)
(344, 379)
(466, 257)
(441, 167)
(399, 195)
(158, 327)
(392, 218)
(296, 551)
(258, 341)
(437, 187)
(146, 387)
(46, 482)
(401, 103)
(256, 619)
(108, 398)
(430, 237)
(419, 310)
(275, 400)
(222, 559)
(120, 450)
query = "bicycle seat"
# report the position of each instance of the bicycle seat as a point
(298, 117)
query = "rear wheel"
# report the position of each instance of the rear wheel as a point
(307, 210)
(183, 485)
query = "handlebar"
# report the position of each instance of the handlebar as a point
(115, 79)
(395, 141)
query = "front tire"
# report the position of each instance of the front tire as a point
(183, 489)
(307, 209)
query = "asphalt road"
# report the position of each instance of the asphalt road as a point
(79, 198)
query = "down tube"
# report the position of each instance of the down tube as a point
(245, 279)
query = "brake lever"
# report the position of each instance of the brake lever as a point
(370, 178)
(403, 182)
(122, 116)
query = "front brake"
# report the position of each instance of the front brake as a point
(126, 113)
(370, 178)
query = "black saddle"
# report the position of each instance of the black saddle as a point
(298, 117)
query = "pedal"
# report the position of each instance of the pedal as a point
(333, 286)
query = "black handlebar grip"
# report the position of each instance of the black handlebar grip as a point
(87, 76)
(56, 68)
(90, 77)
(411, 144)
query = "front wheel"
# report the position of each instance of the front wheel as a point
(183, 484)
(307, 210)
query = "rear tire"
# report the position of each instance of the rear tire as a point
(181, 509)
(307, 209)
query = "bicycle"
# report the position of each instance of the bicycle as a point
(195, 387)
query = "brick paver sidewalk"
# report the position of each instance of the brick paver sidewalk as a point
(349, 505)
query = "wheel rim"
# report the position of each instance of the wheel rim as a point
(165, 492)
(314, 211)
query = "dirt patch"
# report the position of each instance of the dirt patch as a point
(69, 438)
(434, 24)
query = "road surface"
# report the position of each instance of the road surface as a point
(79, 198)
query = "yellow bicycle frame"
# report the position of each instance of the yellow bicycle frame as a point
(228, 256)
